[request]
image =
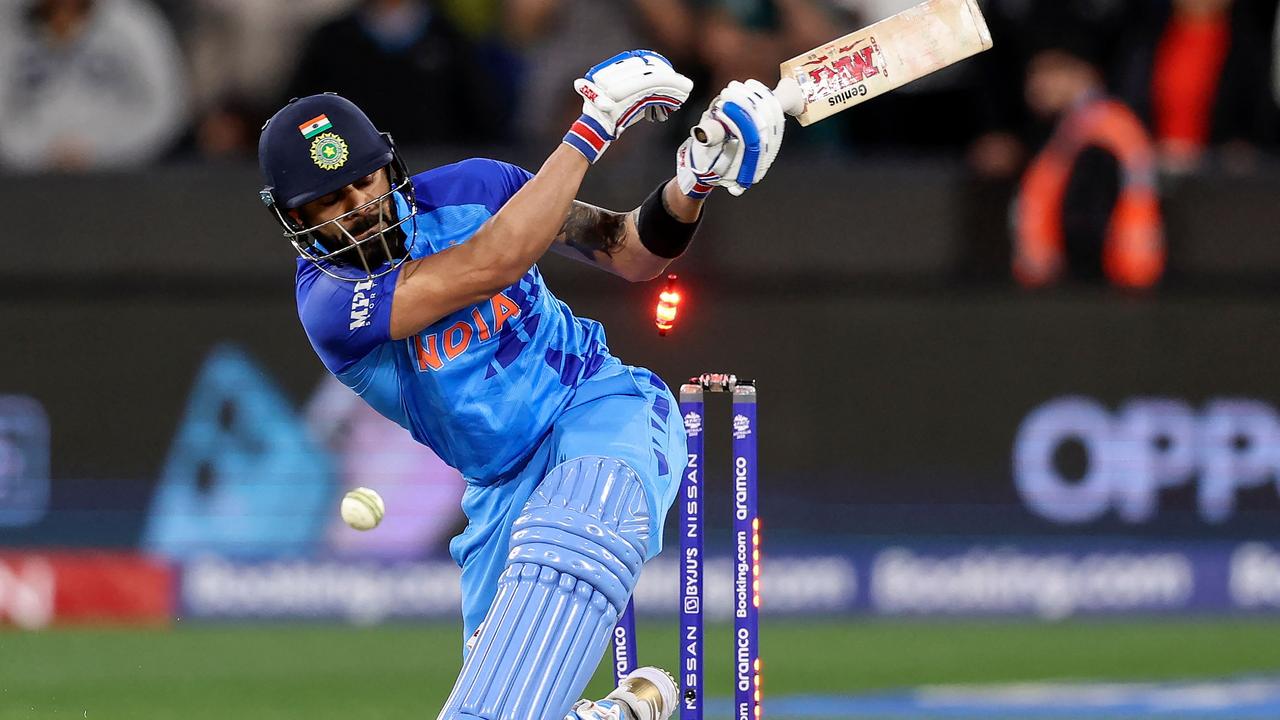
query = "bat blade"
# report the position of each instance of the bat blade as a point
(886, 55)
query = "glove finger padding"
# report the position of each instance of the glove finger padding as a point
(699, 168)
(621, 91)
(754, 117)
(772, 123)
(594, 94)
(745, 146)
(632, 86)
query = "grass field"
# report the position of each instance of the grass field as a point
(274, 672)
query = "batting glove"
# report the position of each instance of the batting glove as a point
(620, 92)
(753, 122)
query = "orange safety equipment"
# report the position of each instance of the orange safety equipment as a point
(1134, 248)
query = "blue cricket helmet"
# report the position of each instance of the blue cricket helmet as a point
(317, 145)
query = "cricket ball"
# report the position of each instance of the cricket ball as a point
(363, 509)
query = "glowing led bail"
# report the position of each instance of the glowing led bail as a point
(668, 306)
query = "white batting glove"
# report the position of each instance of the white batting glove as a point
(620, 92)
(753, 122)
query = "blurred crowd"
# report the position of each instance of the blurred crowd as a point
(109, 83)
(1083, 105)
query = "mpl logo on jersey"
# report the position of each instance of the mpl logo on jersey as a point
(839, 75)
(1146, 446)
(361, 304)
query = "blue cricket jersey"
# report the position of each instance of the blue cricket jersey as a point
(482, 386)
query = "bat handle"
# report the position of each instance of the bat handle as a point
(789, 96)
(712, 132)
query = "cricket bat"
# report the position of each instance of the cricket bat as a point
(872, 61)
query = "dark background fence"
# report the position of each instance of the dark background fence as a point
(833, 219)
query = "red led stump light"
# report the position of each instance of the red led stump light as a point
(668, 306)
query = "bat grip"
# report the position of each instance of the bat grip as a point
(712, 132)
(789, 95)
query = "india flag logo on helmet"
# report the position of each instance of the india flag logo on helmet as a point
(314, 126)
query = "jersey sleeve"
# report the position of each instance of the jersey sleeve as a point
(345, 321)
(510, 178)
(475, 181)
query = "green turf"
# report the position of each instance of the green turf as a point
(310, 672)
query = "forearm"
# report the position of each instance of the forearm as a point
(681, 206)
(652, 245)
(524, 228)
(498, 254)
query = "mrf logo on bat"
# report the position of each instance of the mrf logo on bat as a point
(839, 74)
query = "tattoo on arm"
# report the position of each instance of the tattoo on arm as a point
(589, 230)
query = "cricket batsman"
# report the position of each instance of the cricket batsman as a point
(421, 294)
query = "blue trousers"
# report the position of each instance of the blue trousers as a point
(624, 413)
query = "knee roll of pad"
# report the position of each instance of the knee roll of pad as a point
(576, 553)
(589, 519)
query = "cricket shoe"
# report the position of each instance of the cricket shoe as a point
(648, 693)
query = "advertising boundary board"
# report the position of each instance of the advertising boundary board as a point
(1044, 580)
(38, 589)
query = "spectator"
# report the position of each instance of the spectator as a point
(87, 84)
(409, 67)
(1005, 128)
(560, 39)
(242, 54)
(1197, 73)
(483, 24)
(748, 38)
(1087, 207)
(477, 19)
